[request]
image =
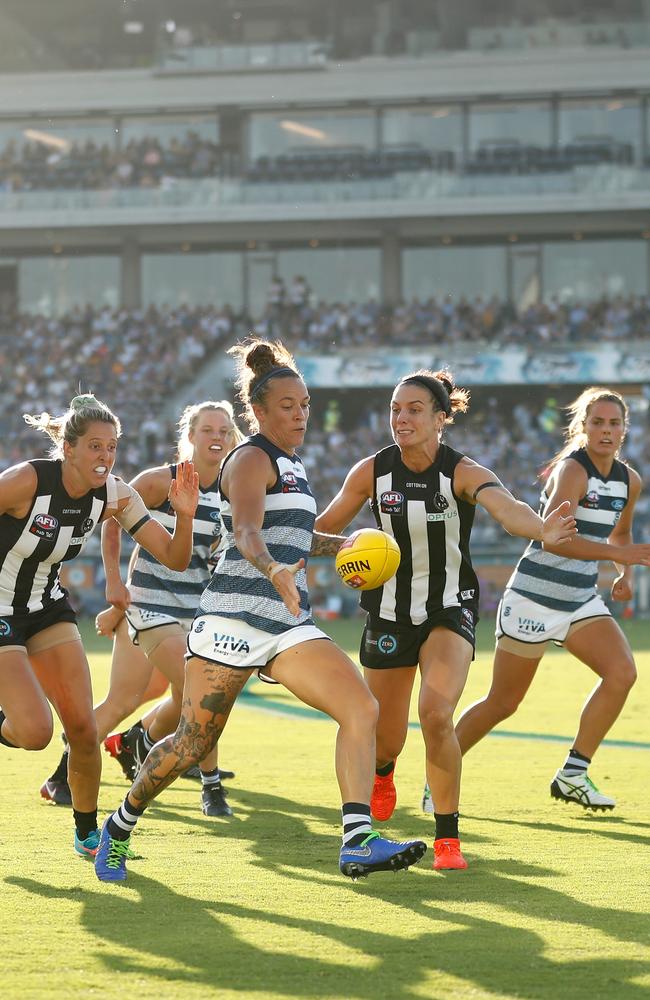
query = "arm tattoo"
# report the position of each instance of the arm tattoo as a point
(325, 545)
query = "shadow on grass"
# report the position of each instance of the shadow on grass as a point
(175, 938)
(146, 928)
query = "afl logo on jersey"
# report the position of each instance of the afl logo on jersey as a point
(289, 483)
(44, 525)
(392, 503)
(591, 500)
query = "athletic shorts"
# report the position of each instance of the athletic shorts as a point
(23, 630)
(148, 629)
(525, 627)
(233, 643)
(385, 645)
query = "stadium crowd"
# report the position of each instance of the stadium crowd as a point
(142, 163)
(298, 317)
(136, 360)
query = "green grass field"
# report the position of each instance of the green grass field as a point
(555, 902)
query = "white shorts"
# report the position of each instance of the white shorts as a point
(526, 627)
(233, 643)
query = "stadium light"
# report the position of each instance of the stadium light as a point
(306, 130)
(46, 139)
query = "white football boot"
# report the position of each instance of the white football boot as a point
(580, 789)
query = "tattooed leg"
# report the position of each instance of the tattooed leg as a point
(208, 697)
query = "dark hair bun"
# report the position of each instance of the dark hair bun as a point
(260, 358)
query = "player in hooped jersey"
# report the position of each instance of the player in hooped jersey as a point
(552, 594)
(160, 603)
(424, 494)
(255, 615)
(48, 510)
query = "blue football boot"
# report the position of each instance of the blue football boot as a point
(375, 854)
(111, 857)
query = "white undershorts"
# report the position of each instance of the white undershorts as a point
(524, 621)
(141, 620)
(233, 643)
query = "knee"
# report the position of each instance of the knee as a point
(365, 711)
(436, 719)
(503, 705)
(82, 734)
(34, 734)
(624, 677)
(191, 752)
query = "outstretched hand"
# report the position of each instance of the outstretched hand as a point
(559, 525)
(283, 579)
(184, 489)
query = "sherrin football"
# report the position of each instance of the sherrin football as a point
(367, 559)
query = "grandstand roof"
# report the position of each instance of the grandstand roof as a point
(371, 80)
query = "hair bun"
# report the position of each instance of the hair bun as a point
(83, 401)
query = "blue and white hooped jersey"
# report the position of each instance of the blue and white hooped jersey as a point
(557, 581)
(237, 589)
(156, 589)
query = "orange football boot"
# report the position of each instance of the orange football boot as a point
(448, 855)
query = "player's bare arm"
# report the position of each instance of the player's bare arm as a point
(357, 489)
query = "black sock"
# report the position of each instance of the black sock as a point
(387, 769)
(446, 826)
(85, 823)
(3, 739)
(61, 772)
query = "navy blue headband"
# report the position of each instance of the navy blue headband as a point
(279, 370)
(435, 387)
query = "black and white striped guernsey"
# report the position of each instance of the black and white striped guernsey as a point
(154, 587)
(55, 530)
(559, 582)
(237, 589)
(432, 528)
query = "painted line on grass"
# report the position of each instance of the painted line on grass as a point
(266, 704)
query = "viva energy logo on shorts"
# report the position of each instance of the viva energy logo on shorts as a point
(230, 644)
(528, 626)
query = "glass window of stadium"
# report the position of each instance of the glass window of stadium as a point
(282, 135)
(53, 285)
(601, 118)
(57, 135)
(586, 270)
(338, 274)
(454, 271)
(435, 128)
(164, 128)
(527, 123)
(194, 279)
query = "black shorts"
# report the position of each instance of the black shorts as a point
(15, 630)
(385, 645)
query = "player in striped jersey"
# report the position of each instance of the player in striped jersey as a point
(552, 595)
(48, 510)
(255, 615)
(424, 494)
(160, 603)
